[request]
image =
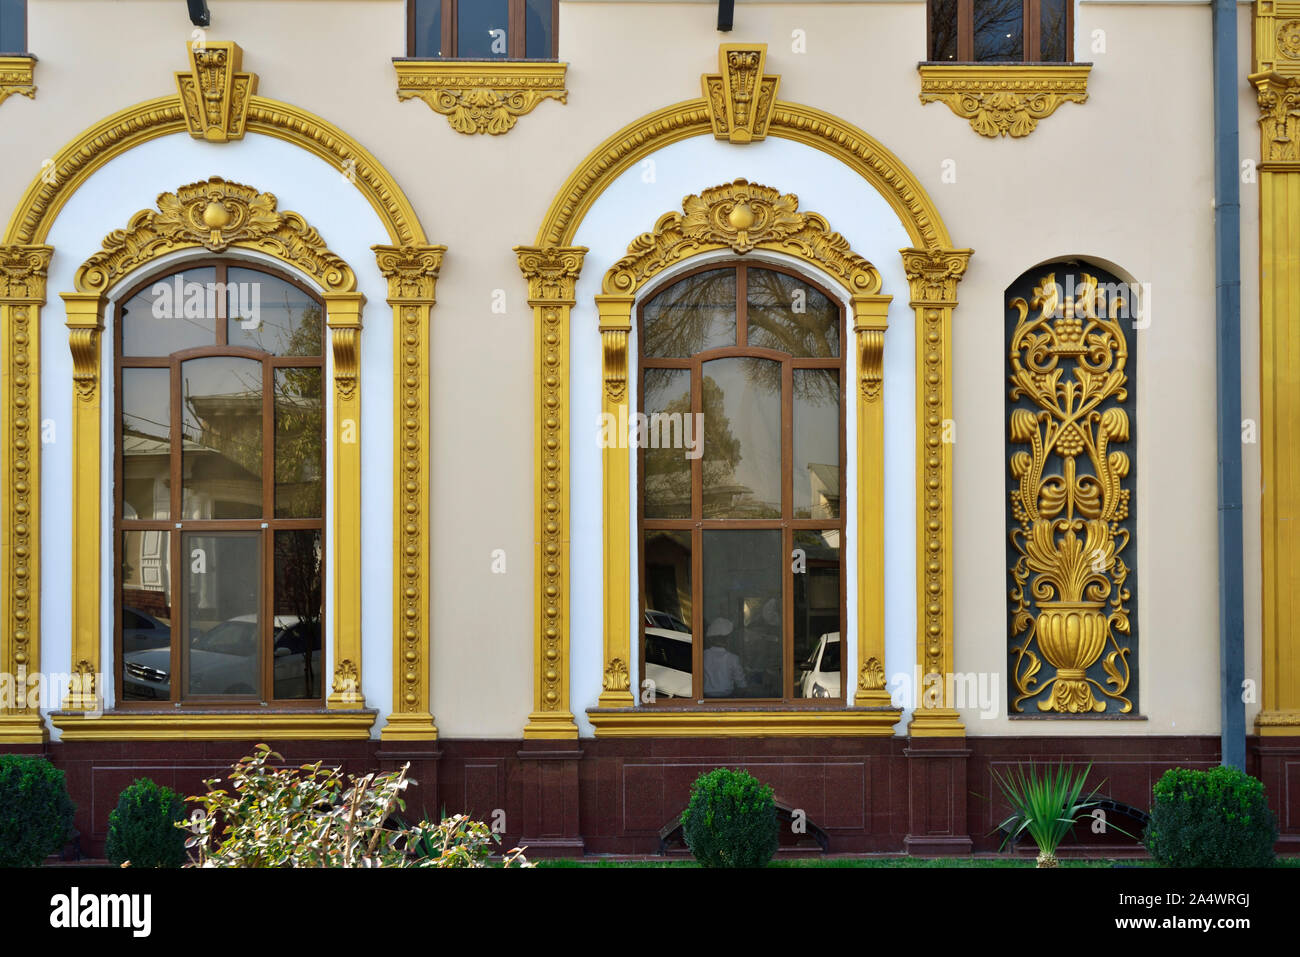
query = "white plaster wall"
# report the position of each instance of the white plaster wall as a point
(630, 207)
(302, 183)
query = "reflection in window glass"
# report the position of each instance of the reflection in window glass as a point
(296, 642)
(817, 614)
(999, 30)
(146, 443)
(176, 312)
(791, 316)
(667, 600)
(943, 30)
(146, 615)
(692, 315)
(299, 490)
(538, 29)
(667, 465)
(267, 313)
(742, 613)
(223, 594)
(742, 438)
(1053, 39)
(482, 29)
(428, 28)
(221, 423)
(13, 26)
(816, 443)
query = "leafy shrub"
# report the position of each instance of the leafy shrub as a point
(35, 810)
(1047, 806)
(730, 820)
(142, 829)
(313, 816)
(1215, 818)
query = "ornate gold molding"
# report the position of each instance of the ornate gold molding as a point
(229, 726)
(741, 96)
(214, 93)
(17, 76)
(1279, 117)
(737, 723)
(23, 270)
(552, 274)
(485, 96)
(1002, 99)
(412, 274)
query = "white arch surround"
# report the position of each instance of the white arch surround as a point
(628, 207)
(130, 182)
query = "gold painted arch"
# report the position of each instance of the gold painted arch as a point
(552, 266)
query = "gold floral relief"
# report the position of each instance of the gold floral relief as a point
(1070, 510)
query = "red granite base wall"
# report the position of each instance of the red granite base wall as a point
(615, 796)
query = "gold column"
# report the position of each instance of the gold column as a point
(870, 318)
(22, 293)
(85, 325)
(552, 273)
(615, 324)
(412, 274)
(343, 316)
(1277, 80)
(933, 275)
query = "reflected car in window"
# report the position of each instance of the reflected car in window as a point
(141, 631)
(821, 672)
(668, 662)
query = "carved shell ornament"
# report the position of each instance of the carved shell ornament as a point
(1288, 39)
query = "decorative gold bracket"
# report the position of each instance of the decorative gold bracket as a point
(741, 97)
(480, 96)
(214, 94)
(17, 75)
(1004, 99)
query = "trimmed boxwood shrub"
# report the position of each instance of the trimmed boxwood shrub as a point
(35, 810)
(142, 828)
(731, 820)
(1215, 818)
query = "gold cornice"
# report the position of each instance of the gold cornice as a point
(740, 216)
(480, 96)
(214, 93)
(551, 272)
(1002, 99)
(1279, 118)
(226, 726)
(740, 95)
(17, 75)
(777, 723)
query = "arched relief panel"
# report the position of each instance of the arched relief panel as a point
(932, 269)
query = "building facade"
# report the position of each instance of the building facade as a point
(571, 397)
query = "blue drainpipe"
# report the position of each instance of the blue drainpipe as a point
(1227, 269)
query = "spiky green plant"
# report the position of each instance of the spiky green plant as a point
(1047, 806)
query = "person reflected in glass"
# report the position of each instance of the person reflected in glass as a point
(723, 674)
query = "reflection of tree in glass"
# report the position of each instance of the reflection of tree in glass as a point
(999, 29)
(695, 314)
(298, 426)
(774, 323)
(668, 471)
(298, 593)
(300, 335)
(943, 29)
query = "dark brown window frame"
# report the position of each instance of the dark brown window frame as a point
(176, 527)
(516, 25)
(697, 524)
(1032, 27)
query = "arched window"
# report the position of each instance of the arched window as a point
(219, 491)
(741, 486)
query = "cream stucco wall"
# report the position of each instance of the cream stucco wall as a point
(1124, 178)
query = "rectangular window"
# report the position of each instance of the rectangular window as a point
(1000, 31)
(13, 26)
(482, 29)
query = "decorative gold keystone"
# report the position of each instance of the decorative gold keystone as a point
(741, 97)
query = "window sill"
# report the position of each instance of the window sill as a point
(1004, 99)
(214, 725)
(17, 75)
(743, 722)
(481, 96)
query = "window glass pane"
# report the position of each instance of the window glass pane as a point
(816, 443)
(13, 26)
(669, 606)
(943, 29)
(146, 443)
(481, 29)
(270, 314)
(791, 316)
(428, 28)
(1055, 42)
(742, 613)
(296, 653)
(299, 462)
(668, 448)
(742, 438)
(146, 615)
(538, 29)
(176, 312)
(695, 314)
(999, 30)
(221, 422)
(817, 614)
(223, 594)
